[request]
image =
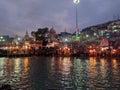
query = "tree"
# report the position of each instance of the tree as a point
(40, 34)
(52, 35)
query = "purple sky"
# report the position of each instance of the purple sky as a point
(17, 16)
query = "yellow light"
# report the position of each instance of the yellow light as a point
(26, 47)
(1, 37)
(103, 49)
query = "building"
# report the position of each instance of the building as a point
(108, 30)
(27, 39)
(5, 40)
(65, 37)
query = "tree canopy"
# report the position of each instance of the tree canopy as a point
(40, 34)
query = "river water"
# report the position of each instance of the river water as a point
(62, 73)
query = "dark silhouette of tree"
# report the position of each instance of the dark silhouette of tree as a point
(40, 35)
(33, 34)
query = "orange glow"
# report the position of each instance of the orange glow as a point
(64, 50)
(94, 50)
(93, 61)
(25, 64)
(102, 49)
(90, 46)
(114, 62)
(113, 51)
(92, 70)
(91, 51)
(115, 67)
(102, 67)
(65, 64)
(25, 68)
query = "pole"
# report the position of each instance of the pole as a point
(76, 17)
(76, 2)
(76, 22)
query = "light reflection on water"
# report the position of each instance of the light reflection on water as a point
(66, 73)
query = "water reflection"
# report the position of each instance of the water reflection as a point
(1, 67)
(80, 69)
(25, 70)
(11, 71)
(7, 70)
(92, 67)
(114, 65)
(65, 73)
(115, 73)
(103, 66)
(60, 73)
(96, 73)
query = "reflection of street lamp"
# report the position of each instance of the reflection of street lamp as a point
(76, 2)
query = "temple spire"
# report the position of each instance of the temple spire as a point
(27, 33)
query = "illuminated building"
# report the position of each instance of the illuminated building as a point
(5, 40)
(108, 30)
(65, 37)
(27, 40)
(16, 40)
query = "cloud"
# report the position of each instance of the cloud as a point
(17, 16)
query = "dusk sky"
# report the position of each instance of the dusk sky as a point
(17, 16)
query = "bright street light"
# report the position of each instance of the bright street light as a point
(76, 1)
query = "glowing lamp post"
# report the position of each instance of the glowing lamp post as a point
(76, 1)
(77, 30)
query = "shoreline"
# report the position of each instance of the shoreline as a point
(54, 55)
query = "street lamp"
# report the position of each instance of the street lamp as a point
(76, 2)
